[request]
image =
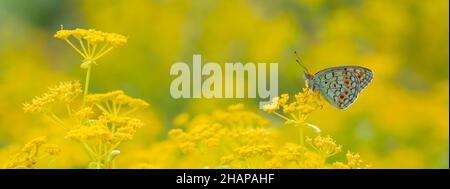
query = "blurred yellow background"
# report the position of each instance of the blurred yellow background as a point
(401, 120)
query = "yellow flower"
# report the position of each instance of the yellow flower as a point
(290, 152)
(52, 149)
(92, 44)
(313, 160)
(304, 102)
(276, 103)
(212, 142)
(32, 147)
(108, 128)
(283, 99)
(201, 134)
(354, 161)
(308, 101)
(96, 131)
(273, 106)
(116, 102)
(274, 163)
(325, 146)
(175, 133)
(340, 165)
(250, 135)
(63, 34)
(238, 117)
(65, 92)
(84, 113)
(250, 151)
(31, 153)
(227, 160)
(290, 108)
(187, 147)
(126, 130)
(236, 107)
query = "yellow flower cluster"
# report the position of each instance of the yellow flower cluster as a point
(52, 149)
(354, 161)
(115, 102)
(84, 113)
(321, 148)
(102, 136)
(65, 92)
(227, 160)
(297, 111)
(250, 135)
(251, 151)
(108, 129)
(294, 155)
(326, 146)
(206, 142)
(203, 135)
(236, 116)
(92, 45)
(92, 36)
(234, 135)
(101, 125)
(235, 123)
(32, 152)
(245, 155)
(290, 152)
(101, 122)
(276, 103)
(304, 102)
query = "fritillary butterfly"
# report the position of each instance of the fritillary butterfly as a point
(340, 85)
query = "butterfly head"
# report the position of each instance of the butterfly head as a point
(309, 81)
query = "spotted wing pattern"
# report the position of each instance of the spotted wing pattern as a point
(341, 85)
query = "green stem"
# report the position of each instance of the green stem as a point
(82, 46)
(114, 107)
(113, 128)
(93, 50)
(302, 141)
(279, 115)
(76, 49)
(102, 53)
(69, 110)
(101, 108)
(108, 107)
(91, 153)
(129, 112)
(57, 120)
(247, 162)
(86, 84)
(89, 55)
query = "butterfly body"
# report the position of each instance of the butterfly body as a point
(341, 85)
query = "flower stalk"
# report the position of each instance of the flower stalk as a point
(297, 111)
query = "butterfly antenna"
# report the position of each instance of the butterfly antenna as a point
(299, 63)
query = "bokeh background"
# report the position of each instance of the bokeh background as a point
(400, 121)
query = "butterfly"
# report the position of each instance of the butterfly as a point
(340, 85)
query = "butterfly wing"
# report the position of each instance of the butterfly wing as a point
(364, 75)
(341, 85)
